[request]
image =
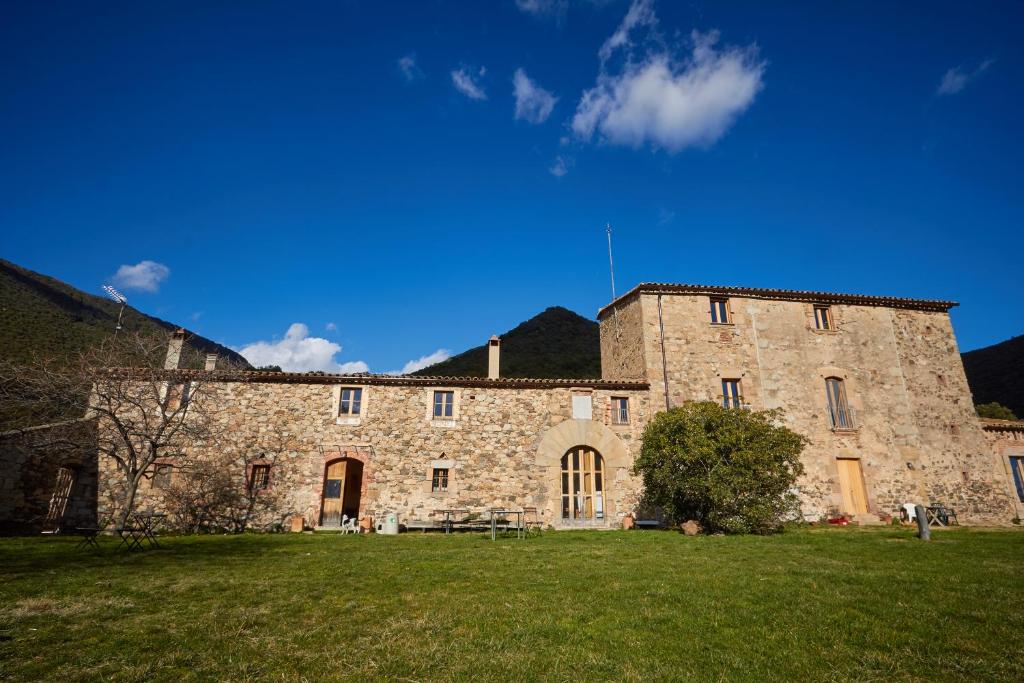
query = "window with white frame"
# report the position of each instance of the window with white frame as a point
(823, 318)
(444, 405)
(351, 402)
(620, 410)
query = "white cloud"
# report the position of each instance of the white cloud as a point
(957, 78)
(663, 99)
(641, 13)
(144, 275)
(423, 361)
(561, 166)
(665, 216)
(554, 9)
(533, 103)
(331, 327)
(410, 71)
(467, 84)
(298, 352)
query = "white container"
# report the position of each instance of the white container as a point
(389, 525)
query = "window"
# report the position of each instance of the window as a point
(439, 480)
(259, 478)
(1017, 465)
(840, 414)
(351, 402)
(162, 476)
(720, 312)
(823, 318)
(620, 410)
(731, 396)
(444, 402)
(582, 406)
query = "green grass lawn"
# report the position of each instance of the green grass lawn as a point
(816, 604)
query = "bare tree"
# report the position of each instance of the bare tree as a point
(238, 484)
(148, 411)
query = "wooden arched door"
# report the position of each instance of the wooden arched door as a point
(343, 483)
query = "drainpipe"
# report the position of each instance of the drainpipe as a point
(664, 364)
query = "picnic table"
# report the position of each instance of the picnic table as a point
(141, 527)
(501, 512)
(941, 515)
(449, 517)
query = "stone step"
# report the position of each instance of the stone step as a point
(867, 519)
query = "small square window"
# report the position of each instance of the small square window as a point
(720, 311)
(439, 480)
(162, 476)
(731, 395)
(620, 410)
(823, 318)
(444, 404)
(351, 402)
(259, 478)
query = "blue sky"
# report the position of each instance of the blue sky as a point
(401, 179)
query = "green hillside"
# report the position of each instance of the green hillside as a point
(42, 315)
(556, 343)
(996, 373)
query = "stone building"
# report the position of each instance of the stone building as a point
(875, 383)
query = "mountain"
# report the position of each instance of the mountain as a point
(996, 373)
(40, 314)
(556, 343)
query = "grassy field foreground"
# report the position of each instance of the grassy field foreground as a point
(817, 604)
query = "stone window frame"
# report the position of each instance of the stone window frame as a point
(729, 321)
(364, 405)
(452, 421)
(615, 421)
(442, 463)
(162, 475)
(250, 469)
(812, 321)
(850, 388)
(731, 374)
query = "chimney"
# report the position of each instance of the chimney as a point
(174, 349)
(493, 357)
(211, 362)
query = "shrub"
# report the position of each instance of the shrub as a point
(995, 411)
(732, 470)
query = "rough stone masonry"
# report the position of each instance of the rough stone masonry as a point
(875, 383)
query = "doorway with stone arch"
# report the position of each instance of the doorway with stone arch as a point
(583, 487)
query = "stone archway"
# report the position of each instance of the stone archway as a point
(571, 434)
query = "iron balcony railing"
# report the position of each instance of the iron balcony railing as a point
(737, 403)
(842, 417)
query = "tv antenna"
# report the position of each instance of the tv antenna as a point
(611, 264)
(119, 298)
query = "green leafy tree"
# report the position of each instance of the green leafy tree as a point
(731, 470)
(995, 411)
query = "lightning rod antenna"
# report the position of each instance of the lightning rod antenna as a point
(611, 264)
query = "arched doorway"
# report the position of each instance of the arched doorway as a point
(583, 485)
(343, 482)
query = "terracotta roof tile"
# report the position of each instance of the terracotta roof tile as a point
(782, 295)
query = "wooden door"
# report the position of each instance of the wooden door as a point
(582, 484)
(851, 482)
(59, 500)
(334, 486)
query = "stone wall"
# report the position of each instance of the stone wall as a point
(622, 342)
(29, 461)
(1006, 439)
(498, 448)
(917, 438)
